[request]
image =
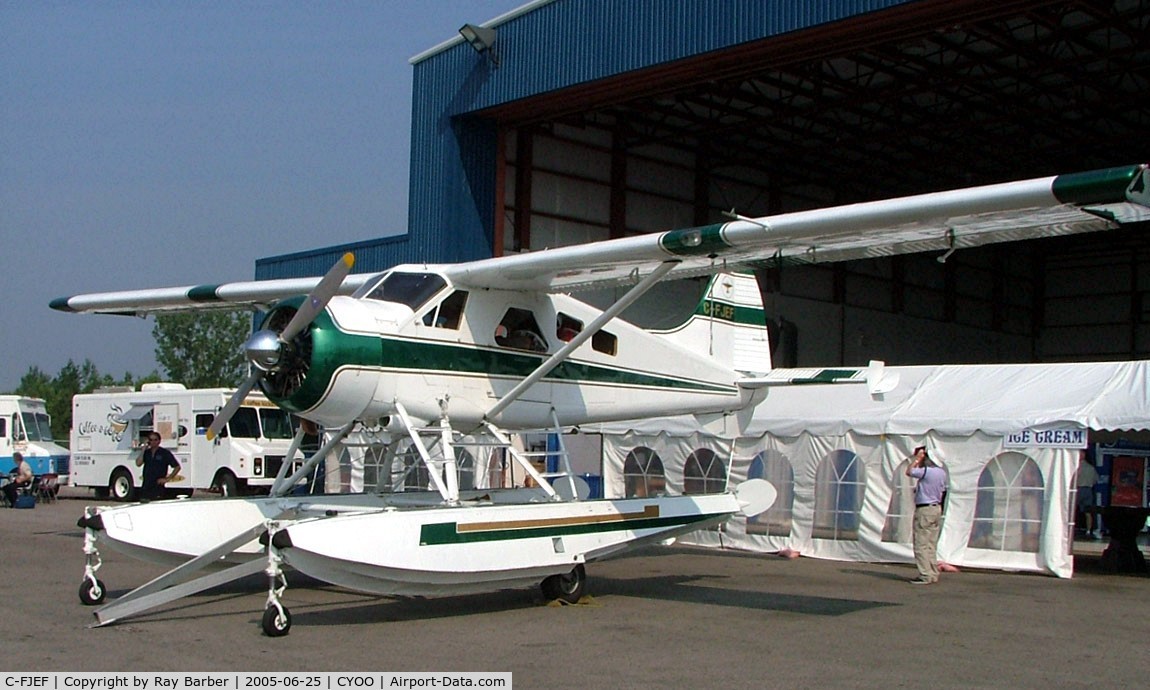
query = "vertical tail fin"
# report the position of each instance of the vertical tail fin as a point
(728, 324)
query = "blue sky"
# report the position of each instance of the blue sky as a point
(157, 144)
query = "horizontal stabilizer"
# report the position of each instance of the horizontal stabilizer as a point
(875, 376)
(755, 496)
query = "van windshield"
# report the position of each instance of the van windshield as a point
(248, 421)
(37, 426)
(244, 423)
(276, 423)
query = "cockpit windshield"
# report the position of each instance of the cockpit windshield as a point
(412, 289)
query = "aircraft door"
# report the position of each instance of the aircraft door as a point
(519, 334)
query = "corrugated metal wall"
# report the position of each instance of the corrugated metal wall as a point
(370, 256)
(554, 45)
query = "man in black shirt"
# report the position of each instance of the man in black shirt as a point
(156, 461)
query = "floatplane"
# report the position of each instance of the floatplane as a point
(440, 358)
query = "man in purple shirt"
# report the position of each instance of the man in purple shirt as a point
(928, 493)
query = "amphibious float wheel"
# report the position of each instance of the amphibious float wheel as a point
(275, 624)
(568, 587)
(92, 594)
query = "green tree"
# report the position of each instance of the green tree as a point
(57, 391)
(203, 350)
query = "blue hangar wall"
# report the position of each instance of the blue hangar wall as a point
(542, 47)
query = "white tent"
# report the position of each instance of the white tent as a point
(1009, 437)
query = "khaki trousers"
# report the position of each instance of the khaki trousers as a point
(927, 523)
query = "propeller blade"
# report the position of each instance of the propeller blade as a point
(234, 403)
(319, 297)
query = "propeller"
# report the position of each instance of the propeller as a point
(265, 349)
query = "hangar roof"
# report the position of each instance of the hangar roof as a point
(920, 96)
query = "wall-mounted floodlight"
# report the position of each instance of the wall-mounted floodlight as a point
(482, 39)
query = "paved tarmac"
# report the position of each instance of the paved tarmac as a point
(662, 618)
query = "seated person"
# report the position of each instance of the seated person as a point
(520, 339)
(526, 340)
(21, 477)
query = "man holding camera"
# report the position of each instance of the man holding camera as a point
(928, 493)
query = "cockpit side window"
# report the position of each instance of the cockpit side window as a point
(412, 289)
(449, 313)
(518, 329)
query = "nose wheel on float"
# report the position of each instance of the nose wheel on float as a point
(92, 589)
(276, 621)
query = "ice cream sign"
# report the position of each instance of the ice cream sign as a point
(1047, 438)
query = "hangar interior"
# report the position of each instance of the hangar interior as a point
(918, 98)
(881, 100)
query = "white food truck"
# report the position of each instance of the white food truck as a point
(24, 428)
(109, 427)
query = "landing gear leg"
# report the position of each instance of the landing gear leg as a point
(276, 621)
(92, 590)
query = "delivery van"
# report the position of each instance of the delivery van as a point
(109, 427)
(25, 428)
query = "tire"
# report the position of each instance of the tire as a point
(568, 588)
(121, 486)
(226, 481)
(274, 624)
(92, 595)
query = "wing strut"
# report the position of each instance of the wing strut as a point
(449, 490)
(564, 352)
(283, 486)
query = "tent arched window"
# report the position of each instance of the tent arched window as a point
(465, 469)
(899, 525)
(775, 468)
(1008, 510)
(704, 473)
(643, 474)
(840, 482)
(416, 477)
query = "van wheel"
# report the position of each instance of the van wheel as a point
(226, 482)
(121, 486)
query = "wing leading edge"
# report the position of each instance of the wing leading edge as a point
(1043, 207)
(939, 221)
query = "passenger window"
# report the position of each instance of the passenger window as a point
(448, 313)
(605, 342)
(520, 330)
(3, 427)
(567, 327)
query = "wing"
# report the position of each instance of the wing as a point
(255, 294)
(1044, 207)
(940, 221)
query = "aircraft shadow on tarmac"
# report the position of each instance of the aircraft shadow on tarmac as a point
(344, 607)
(671, 588)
